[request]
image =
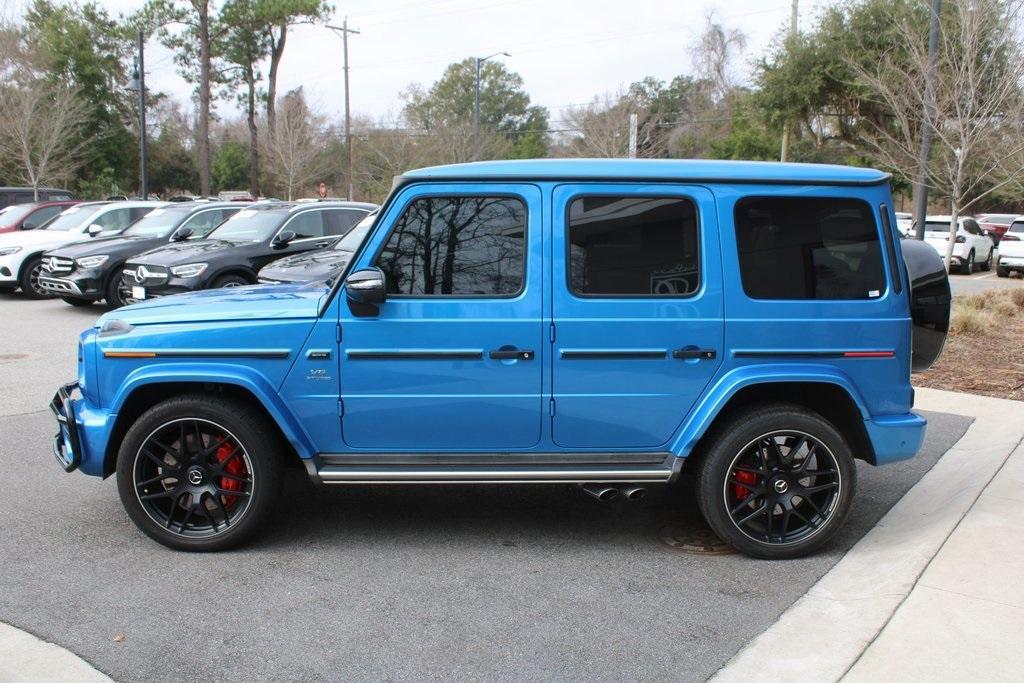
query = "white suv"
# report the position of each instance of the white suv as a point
(1011, 249)
(972, 245)
(21, 252)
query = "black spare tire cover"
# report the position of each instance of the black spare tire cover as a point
(930, 302)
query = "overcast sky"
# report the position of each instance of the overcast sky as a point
(567, 51)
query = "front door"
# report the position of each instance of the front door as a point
(638, 312)
(453, 358)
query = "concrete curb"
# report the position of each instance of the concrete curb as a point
(843, 613)
(25, 658)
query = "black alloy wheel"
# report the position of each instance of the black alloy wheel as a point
(198, 472)
(776, 481)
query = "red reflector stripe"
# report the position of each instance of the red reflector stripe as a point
(869, 354)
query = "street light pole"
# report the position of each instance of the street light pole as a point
(344, 30)
(476, 100)
(139, 81)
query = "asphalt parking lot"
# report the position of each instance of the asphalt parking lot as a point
(981, 280)
(377, 582)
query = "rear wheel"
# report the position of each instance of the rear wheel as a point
(776, 482)
(198, 473)
(229, 281)
(81, 303)
(968, 265)
(29, 279)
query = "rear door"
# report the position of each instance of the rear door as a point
(637, 311)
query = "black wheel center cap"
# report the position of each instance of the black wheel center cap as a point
(196, 475)
(780, 486)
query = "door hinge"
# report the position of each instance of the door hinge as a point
(551, 333)
(341, 408)
(337, 332)
(551, 407)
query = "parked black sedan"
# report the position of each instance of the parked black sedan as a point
(85, 272)
(321, 265)
(233, 253)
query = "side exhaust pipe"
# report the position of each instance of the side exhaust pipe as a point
(602, 492)
(634, 493)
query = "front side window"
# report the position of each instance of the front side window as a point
(457, 246)
(307, 224)
(633, 246)
(113, 220)
(808, 248)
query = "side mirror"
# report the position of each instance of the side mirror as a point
(181, 234)
(366, 289)
(95, 229)
(282, 240)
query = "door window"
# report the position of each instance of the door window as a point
(113, 220)
(41, 216)
(306, 225)
(340, 221)
(457, 246)
(633, 246)
(808, 248)
(204, 221)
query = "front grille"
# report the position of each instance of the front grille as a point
(144, 276)
(58, 264)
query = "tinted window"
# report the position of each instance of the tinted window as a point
(205, 221)
(457, 246)
(340, 221)
(804, 248)
(307, 224)
(41, 216)
(633, 246)
(114, 219)
(250, 225)
(356, 235)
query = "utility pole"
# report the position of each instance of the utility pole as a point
(632, 135)
(476, 100)
(921, 183)
(344, 30)
(784, 154)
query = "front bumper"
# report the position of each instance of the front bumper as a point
(1011, 261)
(67, 447)
(81, 286)
(896, 437)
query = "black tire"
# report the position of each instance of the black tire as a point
(743, 501)
(987, 264)
(28, 280)
(216, 499)
(115, 293)
(1002, 272)
(967, 267)
(229, 281)
(78, 303)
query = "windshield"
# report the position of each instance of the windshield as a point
(13, 214)
(249, 225)
(157, 223)
(72, 218)
(356, 235)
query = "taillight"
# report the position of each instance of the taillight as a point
(960, 239)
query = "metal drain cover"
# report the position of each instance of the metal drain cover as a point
(693, 536)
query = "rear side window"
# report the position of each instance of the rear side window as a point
(808, 248)
(457, 246)
(340, 221)
(633, 246)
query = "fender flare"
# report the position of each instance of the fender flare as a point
(221, 373)
(728, 385)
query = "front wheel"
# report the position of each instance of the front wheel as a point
(29, 280)
(229, 281)
(198, 473)
(776, 482)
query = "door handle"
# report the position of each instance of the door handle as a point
(511, 354)
(693, 354)
(322, 244)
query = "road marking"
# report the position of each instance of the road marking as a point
(985, 277)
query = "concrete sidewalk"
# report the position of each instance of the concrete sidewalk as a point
(933, 591)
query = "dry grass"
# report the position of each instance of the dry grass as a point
(984, 352)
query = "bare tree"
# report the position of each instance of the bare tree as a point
(295, 147)
(714, 54)
(601, 129)
(979, 103)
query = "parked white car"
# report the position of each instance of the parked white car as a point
(972, 247)
(904, 223)
(1011, 249)
(21, 252)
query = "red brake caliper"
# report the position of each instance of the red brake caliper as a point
(741, 492)
(235, 467)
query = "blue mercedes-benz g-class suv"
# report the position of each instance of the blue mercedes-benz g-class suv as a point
(602, 322)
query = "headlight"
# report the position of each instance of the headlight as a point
(188, 270)
(91, 261)
(9, 250)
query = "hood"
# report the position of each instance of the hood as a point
(257, 302)
(30, 238)
(106, 245)
(189, 251)
(315, 266)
